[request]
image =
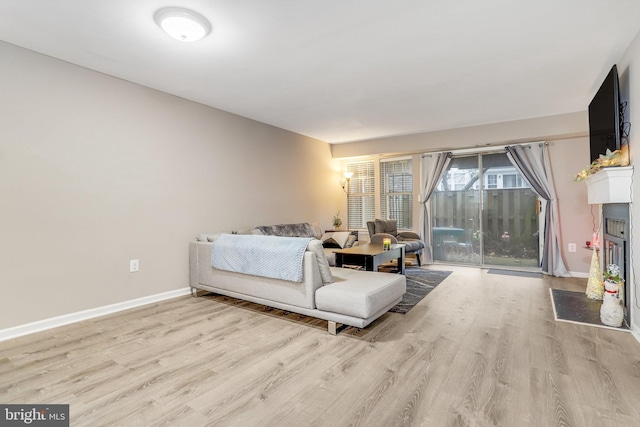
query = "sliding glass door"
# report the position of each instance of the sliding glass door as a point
(456, 213)
(484, 213)
(509, 215)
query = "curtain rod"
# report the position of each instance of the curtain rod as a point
(483, 149)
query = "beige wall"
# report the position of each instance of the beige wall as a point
(568, 157)
(95, 171)
(569, 148)
(544, 128)
(629, 73)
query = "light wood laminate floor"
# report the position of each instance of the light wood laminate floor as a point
(480, 350)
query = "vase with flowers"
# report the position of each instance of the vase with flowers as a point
(337, 221)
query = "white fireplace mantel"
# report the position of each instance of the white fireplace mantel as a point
(610, 185)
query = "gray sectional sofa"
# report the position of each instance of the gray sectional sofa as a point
(338, 295)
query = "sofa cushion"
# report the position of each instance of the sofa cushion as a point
(389, 226)
(408, 235)
(360, 293)
(411, 246)
(315, 246)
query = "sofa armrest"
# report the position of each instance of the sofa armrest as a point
(196, 250)
(408, 235)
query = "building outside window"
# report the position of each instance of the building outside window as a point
(492, 181)
(513, 181)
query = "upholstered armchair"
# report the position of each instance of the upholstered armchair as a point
(388, 228)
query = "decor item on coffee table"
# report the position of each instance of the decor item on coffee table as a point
(381, 229)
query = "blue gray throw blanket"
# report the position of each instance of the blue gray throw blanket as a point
(266, 256)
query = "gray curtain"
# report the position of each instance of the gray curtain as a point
(533, 163)
(432, 168)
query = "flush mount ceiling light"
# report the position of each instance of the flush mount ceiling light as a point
(182, 24)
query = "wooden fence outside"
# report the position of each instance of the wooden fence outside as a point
(505, 210)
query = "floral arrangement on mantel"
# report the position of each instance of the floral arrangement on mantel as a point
(610, 158)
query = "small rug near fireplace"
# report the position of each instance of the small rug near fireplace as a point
(575, 307)
(420, 282)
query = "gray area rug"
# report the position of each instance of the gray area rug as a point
(575, 307)
(419, 283)
(514, 273)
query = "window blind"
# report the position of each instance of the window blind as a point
(396, 192)
(361, 194)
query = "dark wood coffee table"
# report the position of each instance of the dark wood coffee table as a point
(370, 256)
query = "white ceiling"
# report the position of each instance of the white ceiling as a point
(347, 70)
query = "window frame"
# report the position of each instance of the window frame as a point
(353, 220)
(403, 215)
(363, 180)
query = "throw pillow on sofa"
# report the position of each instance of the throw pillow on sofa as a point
(336, 239)
(208, 237)
(303, 229)
(315, 246)
(246, 230)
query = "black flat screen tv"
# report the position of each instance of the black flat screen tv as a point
(604, 117)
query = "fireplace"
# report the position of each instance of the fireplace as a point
(611, 188)
(615, 246)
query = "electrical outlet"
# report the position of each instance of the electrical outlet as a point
(572, 247)
(134, 265)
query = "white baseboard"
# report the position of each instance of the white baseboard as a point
(54, 322)
(579, 274)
